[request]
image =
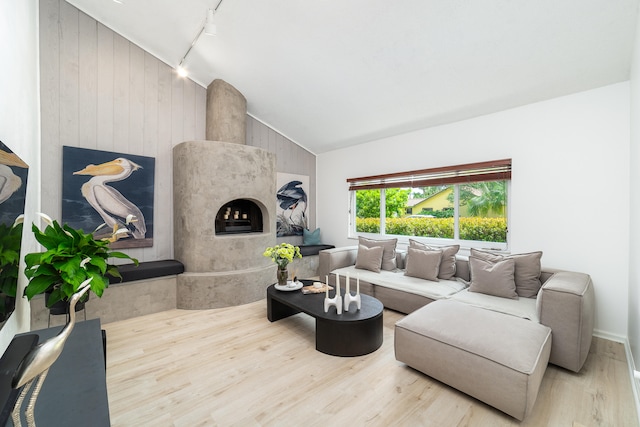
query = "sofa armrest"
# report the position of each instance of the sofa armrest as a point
(566, 304)
(330, 259)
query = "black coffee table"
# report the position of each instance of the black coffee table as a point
(352, 333)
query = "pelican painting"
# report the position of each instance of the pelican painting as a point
(116, 211)
(292, 202)
(13, 185)
(103, 190)
(9, 181)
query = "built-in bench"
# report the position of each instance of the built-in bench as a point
(150, 287)
(307, 267)
(308, 250)
(147, 270)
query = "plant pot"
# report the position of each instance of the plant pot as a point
(7, 305)
(283, 275)
(62, 307)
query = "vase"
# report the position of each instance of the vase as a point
(62, 307)
(283, 275)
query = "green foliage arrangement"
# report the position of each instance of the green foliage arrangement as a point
(442, 213)
(72, 256)
(472, 228)
(282, 254)
(368, 202)
(483, 198)
(10, 238)
(483, 229)
(368, 225)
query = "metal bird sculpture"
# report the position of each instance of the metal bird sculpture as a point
(116, 211)
(35, 365)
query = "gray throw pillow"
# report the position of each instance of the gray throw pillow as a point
(528, 268)
(448, 261)
(423, 264)
(493, 278)
(389, 255)
(369, 258)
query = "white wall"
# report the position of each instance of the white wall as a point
(20, 120)
(634, 197)
(570, 183)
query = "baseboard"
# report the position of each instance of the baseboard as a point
(635, 383)
(609, 336)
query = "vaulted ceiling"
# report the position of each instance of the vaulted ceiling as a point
(329, 74)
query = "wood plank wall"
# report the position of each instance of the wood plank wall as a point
(291, 158)
(99, 90)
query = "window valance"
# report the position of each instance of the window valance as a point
(496, 170)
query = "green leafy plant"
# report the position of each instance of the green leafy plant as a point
(10, 238)
(473, 228)
(282, 254)
(72, 256)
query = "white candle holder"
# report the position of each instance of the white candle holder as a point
(348, 299)
(335, 301)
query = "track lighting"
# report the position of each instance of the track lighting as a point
(209, 28)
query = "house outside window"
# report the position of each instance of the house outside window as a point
(467, 204)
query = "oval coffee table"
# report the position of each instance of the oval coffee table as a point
(352, 333)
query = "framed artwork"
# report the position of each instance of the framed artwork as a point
(114, 189)
(292, 204)
(13, 185)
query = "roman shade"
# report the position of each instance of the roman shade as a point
(496, 170)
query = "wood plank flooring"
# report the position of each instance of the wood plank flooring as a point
(232, 367)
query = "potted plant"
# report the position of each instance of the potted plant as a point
(71, 257)
(10, 239)
(282, 255)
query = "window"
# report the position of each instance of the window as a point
(460, 203)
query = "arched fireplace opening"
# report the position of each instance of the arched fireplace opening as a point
(239, 216)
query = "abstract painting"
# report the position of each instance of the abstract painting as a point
(292, 203)
(109, 190)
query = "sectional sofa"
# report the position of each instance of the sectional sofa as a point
(457, 311)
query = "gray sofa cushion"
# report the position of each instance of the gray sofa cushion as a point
(527, 270)
(448, 261)
(389, 255)
(423, 264)
(493, 278)
(397, 281)
(369, 258)
(494, 357)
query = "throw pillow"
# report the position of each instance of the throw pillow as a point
(423, 264)
(493, 278)
(448, 261)
(527, 270)
(369, 258)
(389, 246)
(311, 237)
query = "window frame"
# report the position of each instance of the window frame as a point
(499, 170)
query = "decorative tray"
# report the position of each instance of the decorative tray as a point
(291, 286)
(315, 290)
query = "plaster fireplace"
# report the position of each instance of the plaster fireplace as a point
(224, 211)
(239, 216)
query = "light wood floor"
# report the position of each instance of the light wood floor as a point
(232, 367)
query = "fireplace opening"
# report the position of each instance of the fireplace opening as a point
(239, 216)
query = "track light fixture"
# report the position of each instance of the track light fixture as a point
(209, 28)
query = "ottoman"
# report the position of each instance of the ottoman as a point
(495, 357)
